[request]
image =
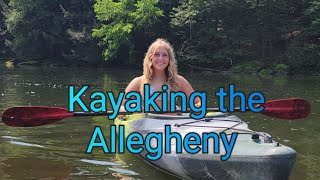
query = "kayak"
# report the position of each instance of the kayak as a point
(255, 155)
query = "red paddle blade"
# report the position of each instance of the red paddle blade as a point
(29, 116)
(294, 108)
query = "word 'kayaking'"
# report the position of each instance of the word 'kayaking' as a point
(147, 103)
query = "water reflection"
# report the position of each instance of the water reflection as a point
(9, 64)
(34, 168)
(25, 144)
(104, 163)
(64, 143)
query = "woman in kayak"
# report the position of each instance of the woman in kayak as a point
(159, 69)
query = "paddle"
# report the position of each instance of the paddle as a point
(30, 116)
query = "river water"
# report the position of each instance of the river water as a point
(57, 151)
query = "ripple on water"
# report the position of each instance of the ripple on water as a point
(25, 144)
(105, 163)
(79, 172)
(123, 171)
(11, 137)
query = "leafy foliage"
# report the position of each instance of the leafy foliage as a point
(79, 19)
(37, 28)
(120, 20)
(239, 35)
(220, 34)
(314, 12)
(281, 68)
(4, 35)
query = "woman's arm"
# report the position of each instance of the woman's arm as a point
(134, 85)
(185, 87)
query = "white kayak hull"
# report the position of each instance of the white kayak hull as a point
(255, 155)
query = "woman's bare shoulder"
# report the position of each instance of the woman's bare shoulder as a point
(180, 77)
(138, 79)
(182, 82)
(134, 85)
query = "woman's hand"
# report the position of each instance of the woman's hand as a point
(198, 104)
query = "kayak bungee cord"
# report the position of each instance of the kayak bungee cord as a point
(243, 130)
(266, 136)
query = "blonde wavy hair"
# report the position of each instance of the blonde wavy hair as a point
(171, 71)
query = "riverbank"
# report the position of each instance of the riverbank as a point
(253, 68)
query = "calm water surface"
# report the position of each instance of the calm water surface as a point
(57, 151)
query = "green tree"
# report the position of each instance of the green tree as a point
(79, 19)
(38, 29)
(222, 33)
(308, 59)
(120, 21)
(4, 35)
(314, 12)
(213, 32)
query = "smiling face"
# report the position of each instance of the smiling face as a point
(160, 58)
